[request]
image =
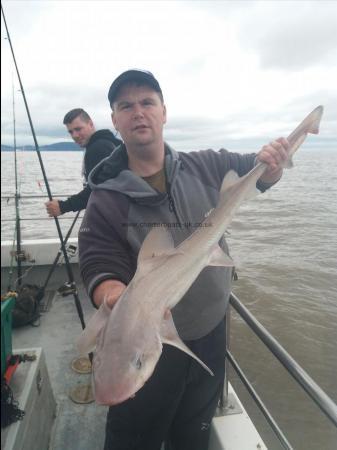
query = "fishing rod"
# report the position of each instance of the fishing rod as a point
(64, 250)
(19, 255)
(43, 289)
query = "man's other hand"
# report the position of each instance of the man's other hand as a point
(53, 208)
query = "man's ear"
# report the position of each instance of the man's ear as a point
(165, 113)
(113, 118)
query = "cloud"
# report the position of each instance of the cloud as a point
(48, 103)
(292, 35)
(230, 70)
(247, 132)
(287, 35)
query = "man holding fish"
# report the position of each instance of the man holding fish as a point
(155, 262)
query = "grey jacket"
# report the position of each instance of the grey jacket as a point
(123, 207)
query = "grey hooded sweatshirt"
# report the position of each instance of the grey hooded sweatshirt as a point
(123, 208)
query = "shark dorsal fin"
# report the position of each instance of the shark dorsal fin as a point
(230, 179)
(158, 242)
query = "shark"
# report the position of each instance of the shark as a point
(128, 339)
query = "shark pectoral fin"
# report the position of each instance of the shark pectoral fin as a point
(87, 340)
(219, 258)
(169, 335)
(158, 242)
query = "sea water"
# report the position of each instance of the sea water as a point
(284, 244)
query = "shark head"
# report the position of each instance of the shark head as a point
(118, 375)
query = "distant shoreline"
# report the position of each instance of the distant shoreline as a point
(56, 147)
(42, 150)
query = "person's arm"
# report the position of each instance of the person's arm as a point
(74, 203)
(94, 155)
(213, 166)
(97, 151)
(274, 155)
(105, 257)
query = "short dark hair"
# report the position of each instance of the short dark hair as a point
(74, 113)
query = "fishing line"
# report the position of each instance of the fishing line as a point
(24, 275)
(64, 250)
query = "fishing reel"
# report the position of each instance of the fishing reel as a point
(71, 250)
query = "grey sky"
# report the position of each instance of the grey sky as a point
(234, 74)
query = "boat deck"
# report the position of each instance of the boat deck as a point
(77, 426)
(82, 426)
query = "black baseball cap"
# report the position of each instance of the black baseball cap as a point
(133, 75)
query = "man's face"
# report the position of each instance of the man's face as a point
(139, 115)
(80, 131)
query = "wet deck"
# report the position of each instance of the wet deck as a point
(81, 426)
(77, 426)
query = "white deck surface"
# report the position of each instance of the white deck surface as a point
(235, 431)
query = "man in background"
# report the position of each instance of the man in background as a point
(97, 144)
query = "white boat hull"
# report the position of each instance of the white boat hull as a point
(38, 252)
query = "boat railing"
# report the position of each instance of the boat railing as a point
(324, 402)
(32, 219)
(33, 196)
(21, 196)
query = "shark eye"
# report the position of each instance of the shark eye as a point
(138, 362)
